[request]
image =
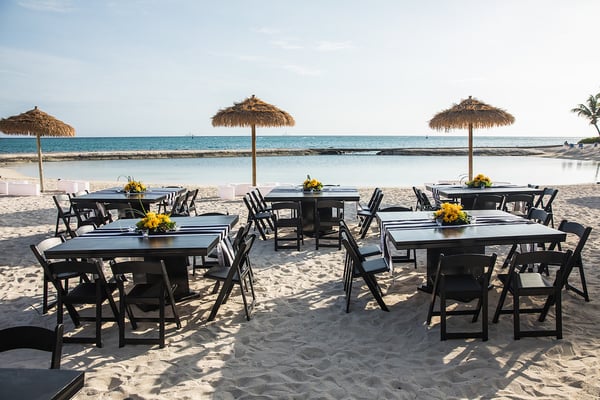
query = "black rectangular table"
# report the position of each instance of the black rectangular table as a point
(309, 198)
(417, 230)
(466, 194)
(196, 236)
(136, 202)
(39, 384)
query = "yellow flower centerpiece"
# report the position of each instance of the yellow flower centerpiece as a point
(451, 214)
(480, 181)
(154, 223)
(312, 184)
(134, 186)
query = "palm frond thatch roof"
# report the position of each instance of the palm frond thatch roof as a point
(35, 123)
(470, 112)
(252, 111)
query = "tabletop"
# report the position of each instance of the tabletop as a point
(408, 230)
(197, 236)
(32, 384)
(117, 195)
(296, 193)
(459, 191)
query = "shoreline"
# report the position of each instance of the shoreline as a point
(587, 153)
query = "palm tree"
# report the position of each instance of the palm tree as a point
(590, 111)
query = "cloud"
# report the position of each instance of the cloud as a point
(334, 46)
(267, 31)
(60, 6)
(301, 70)
(286, 45)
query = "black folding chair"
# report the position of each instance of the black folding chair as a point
(521, 284)
(463, 278)
(147, 285)
(240, 273)
(365, 269)
(34, 337)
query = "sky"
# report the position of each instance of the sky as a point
(343, 67)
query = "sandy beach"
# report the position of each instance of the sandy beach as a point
(301, 344)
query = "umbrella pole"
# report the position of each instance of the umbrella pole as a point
(39, 150)
(470, 152)
(253, 155)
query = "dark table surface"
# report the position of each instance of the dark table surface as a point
(295, 193)
(417, 230)
(492, 227)
(39, 384)
(118, 196)
(196, 236)
(455, 191)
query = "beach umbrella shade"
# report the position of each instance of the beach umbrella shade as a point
(252, 112)
(36, 123)
(470, 113)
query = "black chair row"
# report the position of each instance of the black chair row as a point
(259, 212)
(366, 214)
(145, 284)
(521, 281)
(73, 215)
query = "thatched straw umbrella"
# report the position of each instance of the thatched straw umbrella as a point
(252, 112)
(36, 123)
(470, 113)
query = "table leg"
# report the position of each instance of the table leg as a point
(177, 269)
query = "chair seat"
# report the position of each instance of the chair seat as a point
(86, 292)
(67, 275)
(530, 282)
(376, 265)
(220, 273)
(369, 250)
(462, 287)
(364, 213)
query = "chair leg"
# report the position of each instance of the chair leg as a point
(583, 292)
(558, 307)
(348, 293)
(509, 256)
(45, 295)
(516, 315)
(98, 322)
(501, 301)
(431, 307)
(442, 314)
(376, 291)
(484, 312)
(161, 322)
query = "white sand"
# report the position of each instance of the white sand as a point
(300, 343)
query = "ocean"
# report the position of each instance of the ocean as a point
(358, 169)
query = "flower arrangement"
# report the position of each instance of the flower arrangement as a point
(480, 181)
(451, 214)
(153, 222)
(134, 186)
(312, 184)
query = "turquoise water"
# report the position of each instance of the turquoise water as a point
(11, 144)
(357, 170)
(361, 169)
